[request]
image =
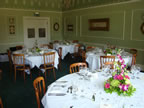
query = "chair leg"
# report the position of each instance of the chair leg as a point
(24, 75)
(0, 74)
(54, 73)
(15, 73)
(30, 74)
(45, 74)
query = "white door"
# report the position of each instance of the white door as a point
(36, 29)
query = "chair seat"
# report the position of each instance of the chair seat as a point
(27, 66)
(47, 66)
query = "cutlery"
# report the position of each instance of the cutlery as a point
(56, 94)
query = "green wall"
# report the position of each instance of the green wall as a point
(125, 22)
(24, 8)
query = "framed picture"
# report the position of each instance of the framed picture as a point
(142, 28)
(56, 27)
(11, 20)
(70, 27)
(11, 29)
(99, 24)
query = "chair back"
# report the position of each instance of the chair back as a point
(1, 104)
(9, 57)
(75, 41)
(19, 59)
(56, 41)
(49, 58)
(76, 66)
(39, 86)
(0, 74)
(19, 47)
(133, 51)
(133, 59)
(89, 48)
(60, 52)
(83, 54)
(107, 60)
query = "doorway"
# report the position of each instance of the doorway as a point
(36, 30)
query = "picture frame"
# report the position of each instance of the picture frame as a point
(56, 26)
(69, 27)
(101, 24)
(142, 28)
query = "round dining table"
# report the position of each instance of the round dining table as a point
(86, 90)
(36, 58)
(66, 48)
(93, 58)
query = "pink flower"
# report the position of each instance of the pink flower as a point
(123, 66)
(120, 86)
(125, 87)
(120, 77)
(122, 72)
(118, 55)
(107, 85)
(115, 77)
(127, 77)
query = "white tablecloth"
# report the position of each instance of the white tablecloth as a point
(34, 59)
(65, 48)
(93, 59)
(88, 88)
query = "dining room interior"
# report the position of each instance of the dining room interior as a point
(85, 53)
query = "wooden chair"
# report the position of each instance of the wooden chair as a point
(56, 41)
(83, 54)
(133, 51)
(60, 57)
(46, 45)
(88, 48)
(49, 59)
(1, 104)
(133, 59)
(0, 74)
(75, 41)
(77, 50)
(76, 66)
(39, 86)
(107, 60)
(19, 64)
(10, 61)
(19, 47)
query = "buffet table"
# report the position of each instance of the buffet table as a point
(87, 91)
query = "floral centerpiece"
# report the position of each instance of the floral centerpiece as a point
(120, 81)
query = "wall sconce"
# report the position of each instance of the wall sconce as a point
(37, 14)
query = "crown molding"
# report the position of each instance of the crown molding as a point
(31, 10)
(99, 6)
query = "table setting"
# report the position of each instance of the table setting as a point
(34, 56)
(93, 56)
(100, 88)
(67, 47)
